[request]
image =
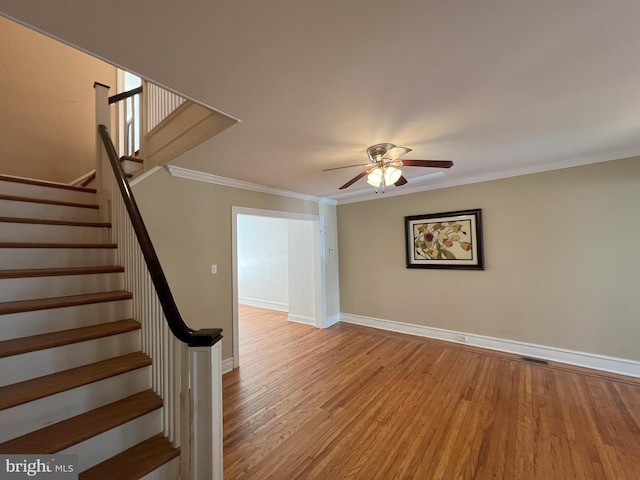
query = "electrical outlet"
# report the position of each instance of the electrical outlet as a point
(462, 338)
(214, 269)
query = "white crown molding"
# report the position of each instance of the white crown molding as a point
(588, 360)
(228, 182)
(369, 193)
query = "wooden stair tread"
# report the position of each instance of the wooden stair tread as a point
(135, 462)
(45, 221)
(60, 302)
(131, 159)
(65, 337)
(60, 203)
(56, 245)
(59, 272)
(45, 183)
(67, 433)
(29, 390)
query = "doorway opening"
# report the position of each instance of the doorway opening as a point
(277, 264)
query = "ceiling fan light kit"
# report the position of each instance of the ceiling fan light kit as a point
(392, 175)
(385, 168)
(383, 176)
(375, 177)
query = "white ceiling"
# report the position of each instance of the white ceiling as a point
(501, 87)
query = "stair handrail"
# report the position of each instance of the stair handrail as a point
(124, 95)
(193, 338)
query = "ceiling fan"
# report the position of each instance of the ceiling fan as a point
(384, 166)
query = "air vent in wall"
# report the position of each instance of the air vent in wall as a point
(537, 361)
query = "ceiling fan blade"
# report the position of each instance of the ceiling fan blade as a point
(428, 163)
(395, 152)
(401, 181)
(353, 180)
(346, 166)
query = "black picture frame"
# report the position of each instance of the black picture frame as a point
(448, 240)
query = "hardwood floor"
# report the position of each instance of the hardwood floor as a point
(351, 402)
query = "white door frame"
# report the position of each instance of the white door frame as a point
(320, 310)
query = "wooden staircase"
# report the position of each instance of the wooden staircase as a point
(72, 376)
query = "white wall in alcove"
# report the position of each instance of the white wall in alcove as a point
(263, 262)
(275, 265)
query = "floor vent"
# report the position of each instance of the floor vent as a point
(537, 361)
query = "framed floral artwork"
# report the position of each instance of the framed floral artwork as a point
(445, 240)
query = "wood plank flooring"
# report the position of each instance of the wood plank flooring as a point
(351, 402)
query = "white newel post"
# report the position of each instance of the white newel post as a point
(206, 407)
(103, 185)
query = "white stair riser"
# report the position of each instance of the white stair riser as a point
(36, 191)
(15, 208)
(15, 258)
(26, 366)
(168, 471)
(25, 324)
(52, 409)
(26, 232)
(61, 406)
(131, 167)
(97, 449)
(13, 289)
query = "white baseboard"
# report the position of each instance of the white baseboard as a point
(301, 319)
(227, 365)
(332, 320)
(255, 302)
(588, 360)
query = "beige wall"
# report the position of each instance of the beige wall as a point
(190, 225)
(47, 105)
(562, 263)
